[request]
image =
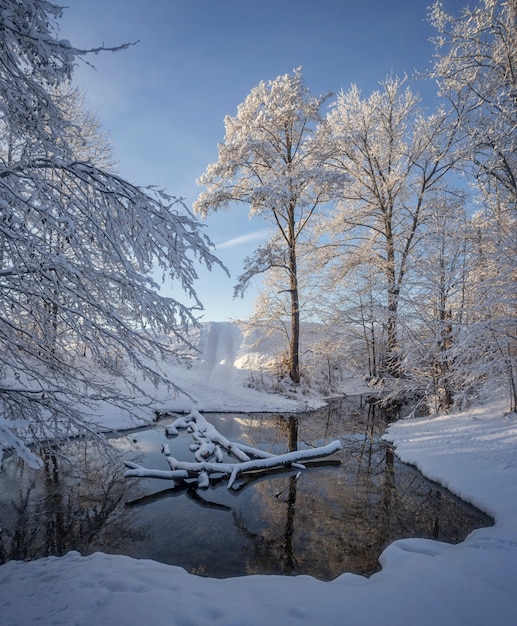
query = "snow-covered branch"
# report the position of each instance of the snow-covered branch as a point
(208, 439)
(283, 460)
(79, 248)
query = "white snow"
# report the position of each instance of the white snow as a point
(422, 582)
(218, 380)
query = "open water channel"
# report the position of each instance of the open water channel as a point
(335, 516)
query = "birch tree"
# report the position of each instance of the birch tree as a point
(267, 162)
(80, 317)
(394, 156)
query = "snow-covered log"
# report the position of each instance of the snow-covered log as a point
(254, 452)
(209, 443)
(202, 471)
(260, 454)
(283, 460)
(201, 428)
(138, 471)
(203, 466)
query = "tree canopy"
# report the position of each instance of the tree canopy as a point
(390, 222)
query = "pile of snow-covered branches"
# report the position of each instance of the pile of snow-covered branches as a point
(208, 448)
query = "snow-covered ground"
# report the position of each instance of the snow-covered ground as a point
(217, 380)
(422, 582)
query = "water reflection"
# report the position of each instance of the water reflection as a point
(61, 507)
(336, 516)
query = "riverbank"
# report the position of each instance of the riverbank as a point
(421, 581)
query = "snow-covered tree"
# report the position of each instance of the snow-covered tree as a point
(436, 306)
(267, 161)
(79, 310)
(476, 68)
(85, 137)
(394, 157)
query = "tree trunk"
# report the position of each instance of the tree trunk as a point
(294, 345)
(392, 356)
(445, 366)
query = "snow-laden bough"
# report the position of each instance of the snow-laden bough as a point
(209, 443)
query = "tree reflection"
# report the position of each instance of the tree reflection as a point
(336, 519)
(61, 507)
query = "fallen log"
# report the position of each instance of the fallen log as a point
(202, 428)
(202, 471)
(282, 460)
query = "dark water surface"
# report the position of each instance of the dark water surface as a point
(336, 516)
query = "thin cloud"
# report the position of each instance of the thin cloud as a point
(243, 239)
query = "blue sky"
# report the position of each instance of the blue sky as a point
(164, 100)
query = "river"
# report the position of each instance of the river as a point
(335, 516)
